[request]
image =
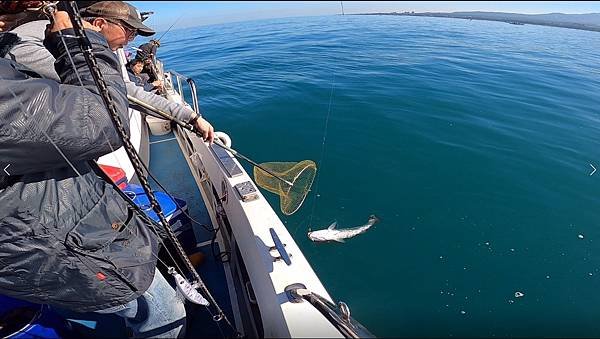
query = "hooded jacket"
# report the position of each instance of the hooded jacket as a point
(67, 238)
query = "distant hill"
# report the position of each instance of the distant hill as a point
(589, 22)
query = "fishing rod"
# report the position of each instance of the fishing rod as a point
(190, 128)
(176, 21)
(189, 290)
(152, 66)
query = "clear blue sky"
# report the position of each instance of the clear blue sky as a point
(199, 13)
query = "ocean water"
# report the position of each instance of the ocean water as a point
(470, 140)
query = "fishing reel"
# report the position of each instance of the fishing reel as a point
(14, 7)
(16, 13)
(31, 8)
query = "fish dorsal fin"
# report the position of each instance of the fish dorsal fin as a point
(332, 226)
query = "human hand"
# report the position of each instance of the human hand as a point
(157, 84)
(206, 129)
(62, 21)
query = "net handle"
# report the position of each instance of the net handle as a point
(191, 129)
(237, 154)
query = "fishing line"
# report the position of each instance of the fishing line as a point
(270, 175)
(217, 323)
(321, 160)
(114, 154)
(116, 120)
(29, 117)
(300, 225)
(214, 231)
(24, 112)
(133, 156)
(74, 9)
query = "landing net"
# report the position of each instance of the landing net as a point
(300, 174)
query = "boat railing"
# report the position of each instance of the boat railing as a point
(178, 77)
(192, 84)
(339, 315)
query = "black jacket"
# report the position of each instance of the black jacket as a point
(145, 51)
(66, 237)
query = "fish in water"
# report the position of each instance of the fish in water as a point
(333, 234)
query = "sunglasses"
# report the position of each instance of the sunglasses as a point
(130, 32)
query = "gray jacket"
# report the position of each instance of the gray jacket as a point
(31, 52)
(67, 238)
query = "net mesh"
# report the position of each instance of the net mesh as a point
(300, 174)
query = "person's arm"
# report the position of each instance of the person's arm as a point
(180, 112)
(42, 121)
(30, 51)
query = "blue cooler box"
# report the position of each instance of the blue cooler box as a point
(179, 221)
(22, 319)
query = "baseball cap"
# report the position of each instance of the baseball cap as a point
(118, 10)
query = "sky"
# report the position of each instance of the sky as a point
(199, 13)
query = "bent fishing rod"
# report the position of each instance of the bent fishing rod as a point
(191, 128)
(86, 48)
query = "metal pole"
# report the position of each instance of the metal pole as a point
(191, 129)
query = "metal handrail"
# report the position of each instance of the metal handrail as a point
(339, 315)
(195, 104)
(191, 83)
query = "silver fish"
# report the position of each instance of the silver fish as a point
(333, 234)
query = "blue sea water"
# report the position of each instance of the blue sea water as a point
(470, 140)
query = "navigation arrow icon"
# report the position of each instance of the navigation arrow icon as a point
(5, 171)
(594, 171)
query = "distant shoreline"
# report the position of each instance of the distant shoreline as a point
(518, 19)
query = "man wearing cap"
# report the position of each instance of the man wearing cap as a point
(119, 22)
(85, 250)
(119, 15)
(147, 53)
(30, 51)
(147, 50)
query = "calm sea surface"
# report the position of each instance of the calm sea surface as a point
(470, 140)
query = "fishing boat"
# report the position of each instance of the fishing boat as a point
(251, 265)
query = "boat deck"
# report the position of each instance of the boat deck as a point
(170, 168)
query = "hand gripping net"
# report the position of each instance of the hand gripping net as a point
(299, 174)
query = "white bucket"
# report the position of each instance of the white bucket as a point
(158, 126)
